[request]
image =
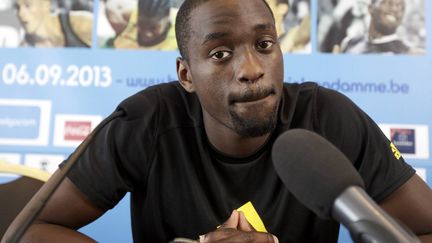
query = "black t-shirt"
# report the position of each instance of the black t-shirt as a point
(362, 44)
(182, 187)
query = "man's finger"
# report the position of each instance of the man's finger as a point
(244, 224)
(232, 235)
(232, 221)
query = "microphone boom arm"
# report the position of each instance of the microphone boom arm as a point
(366, 221)
(32, 209)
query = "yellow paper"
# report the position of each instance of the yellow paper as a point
(252, 217)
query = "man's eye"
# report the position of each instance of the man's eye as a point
(265, 44)
(220, 55)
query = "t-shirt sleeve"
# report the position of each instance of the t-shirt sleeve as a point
(117, 160)
(351, 130)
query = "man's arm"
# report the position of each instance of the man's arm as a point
(66, 211)
(412, 205)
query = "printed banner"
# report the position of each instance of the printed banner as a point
(66, 64)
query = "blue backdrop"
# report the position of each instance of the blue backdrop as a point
(51, 97)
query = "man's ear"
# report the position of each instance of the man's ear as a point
(184, 74)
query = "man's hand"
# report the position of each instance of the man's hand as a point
(237, 229)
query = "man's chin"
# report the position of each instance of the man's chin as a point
(150, 42)
(147, 43)
(388, 29)
(253, 127)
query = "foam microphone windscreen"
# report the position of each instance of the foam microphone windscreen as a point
(313, 169)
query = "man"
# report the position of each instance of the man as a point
(341, 21)
(149, 27)
(46, 29)
(118, 13)
(192, 152)
(386, 17)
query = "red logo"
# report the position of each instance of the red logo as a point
(76, 130)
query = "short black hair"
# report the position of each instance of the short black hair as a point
(154, 8)
(183, 26)
(376, 2)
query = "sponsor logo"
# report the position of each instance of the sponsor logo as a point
(71, 130)
(395, 151)
(403, 139)
(76, 130)
(45, 162)
(24, 122)
(409, 140)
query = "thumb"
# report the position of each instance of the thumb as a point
(244, 224)
(232, 221)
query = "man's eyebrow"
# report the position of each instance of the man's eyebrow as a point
(214, 36)
(260, 27)
(220, 35)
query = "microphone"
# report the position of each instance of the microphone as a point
(32, 209)
(325, 181)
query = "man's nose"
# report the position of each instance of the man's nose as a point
(250, 67)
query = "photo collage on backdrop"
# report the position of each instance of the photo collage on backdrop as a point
(349, 26)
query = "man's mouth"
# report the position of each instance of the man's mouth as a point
(390, 18)
(251, 96)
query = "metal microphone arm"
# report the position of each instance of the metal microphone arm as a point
(32, 209)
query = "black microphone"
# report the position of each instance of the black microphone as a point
(32, 209)
(325, 181)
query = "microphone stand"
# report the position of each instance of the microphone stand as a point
(32, 209)
(366, 221)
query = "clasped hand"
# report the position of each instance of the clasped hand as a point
(237, 229)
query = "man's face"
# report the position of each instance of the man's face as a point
(118, 13)
(152, 30)
(235, 64)
(387, 15)
(31, 13)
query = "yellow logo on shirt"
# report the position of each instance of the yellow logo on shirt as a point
(252, 217)
(395, 151)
